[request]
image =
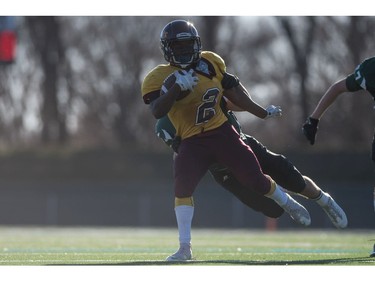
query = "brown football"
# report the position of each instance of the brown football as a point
(169, 82)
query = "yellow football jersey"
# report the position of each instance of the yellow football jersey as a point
(199, 111)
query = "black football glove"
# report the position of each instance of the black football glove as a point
(309, 128)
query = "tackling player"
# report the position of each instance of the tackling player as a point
(363, 78)
(275, 165)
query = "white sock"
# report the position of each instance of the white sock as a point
(322, 199)
(279, 196)
(184, 216)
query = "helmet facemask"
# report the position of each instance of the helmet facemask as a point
(184, 52)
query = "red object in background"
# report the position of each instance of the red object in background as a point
(7, 46)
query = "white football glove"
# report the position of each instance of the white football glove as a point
(273, 111)
(185, 79)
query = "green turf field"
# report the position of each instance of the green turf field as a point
(143, 246)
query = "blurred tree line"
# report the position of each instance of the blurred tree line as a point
(76, 80)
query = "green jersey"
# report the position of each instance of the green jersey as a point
(363, 77)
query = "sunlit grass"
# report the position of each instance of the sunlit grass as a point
(144, 246)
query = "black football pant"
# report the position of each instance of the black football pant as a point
(275, 165)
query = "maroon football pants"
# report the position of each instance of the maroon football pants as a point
(222, 145)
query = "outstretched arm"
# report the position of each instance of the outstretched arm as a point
(239, 99)
(328, 98)
(310, 127)
(231, 106)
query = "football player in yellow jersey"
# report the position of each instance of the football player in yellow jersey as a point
(195, 113)
(206, 135)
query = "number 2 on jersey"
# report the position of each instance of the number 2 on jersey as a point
(206, 109)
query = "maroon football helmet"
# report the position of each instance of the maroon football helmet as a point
(180, 43)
